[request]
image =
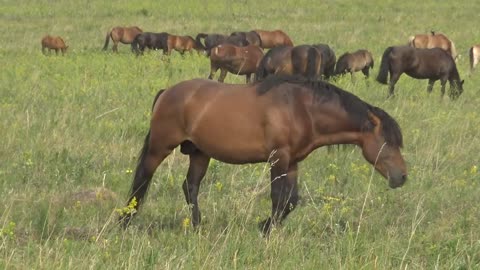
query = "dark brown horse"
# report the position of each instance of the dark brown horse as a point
(251, 37)
(433, 40)
(274, 38)
(474, 54)
(328, 60)
(280, 121)
(305, 60)
(152, 41)
(234, 59)
(121, 34)
(53, 43)
(183, 44)
(432, 64)
(360, 60)
(213, 40)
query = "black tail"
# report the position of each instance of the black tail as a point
(470, 53)
(262, 71)
(384, 66)
(135, 45)
(311, 70)
(107, 39)
(342, 65)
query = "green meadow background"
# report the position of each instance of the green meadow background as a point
(71, 129)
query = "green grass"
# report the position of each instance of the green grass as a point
(76, 123)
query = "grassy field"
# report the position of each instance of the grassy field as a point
(72, 128)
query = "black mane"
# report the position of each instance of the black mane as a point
(353, 105)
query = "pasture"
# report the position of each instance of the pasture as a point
(72, 128)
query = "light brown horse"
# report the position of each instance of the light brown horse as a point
(279, 120)
(53, 43)
(274, 38)
(121, 34)
(360, 60)
(433, 40)
(183, 44)
(474, 54)
(234, 59)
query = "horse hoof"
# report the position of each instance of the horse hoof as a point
(265, 226)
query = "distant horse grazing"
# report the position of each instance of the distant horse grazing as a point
(474, 54)
(279, 120)
(236, 60)
(432, 64)
(433, 40)
(328, 60)
(251, 37)
(152, 41)
(307, 61)
(360, 60)
(183, 44)
(274, 38)
(53, 43)
(121, 34)
(213, 40)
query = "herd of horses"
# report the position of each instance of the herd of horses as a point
(288, 111)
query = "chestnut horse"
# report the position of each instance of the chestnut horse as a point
(183, 44)
(121, 34)
(274, 38)
(53, 43)
(474, 54)
(433, 40)
(152, 41)
(234, 59)
(279, 120)
(360, 60)
(305, 60)
(432, 64)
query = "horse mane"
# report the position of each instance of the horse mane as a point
(353, 105)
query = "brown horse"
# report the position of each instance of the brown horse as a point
(274, 38)
(251, 37)
(183, 44)
(432, 64)
(360, 60)
(474, 54)
(234, 59)
(433, 40)
(328, 60)
(53, 43)
(121, 34)
(279, 120)
(213, 40)
(305, 60)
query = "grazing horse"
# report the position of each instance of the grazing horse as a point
(121, 34)
(182, 44)
(433, 40)
(279, 120)
(474, 54)
(152, 41)
(236, 60)
(360, 60)
(328, 60)
(305, 60)
(432, 64)
(213, 40)
(274, 38)
(53, 43)
(251, 37)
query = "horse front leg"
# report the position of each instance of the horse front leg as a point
(443, 83)
(430, 85)
(196, 171)
(248, 77)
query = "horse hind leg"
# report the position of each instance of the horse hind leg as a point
(223, 74)
(431, 82)
(196, 171)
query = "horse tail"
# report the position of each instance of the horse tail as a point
(342, 65)
(312, 63)
(472, 58)
(107, 39)
(135, 45)
(156, 97)
(198, 40)
(453, 51)
(262, 71)
(384, 66)
(287, 41)
(411, 41)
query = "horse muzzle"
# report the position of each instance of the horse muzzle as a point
(397, 181)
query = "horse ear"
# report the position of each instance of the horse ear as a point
(375, 121)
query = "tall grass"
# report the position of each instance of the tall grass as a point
(72, 127)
